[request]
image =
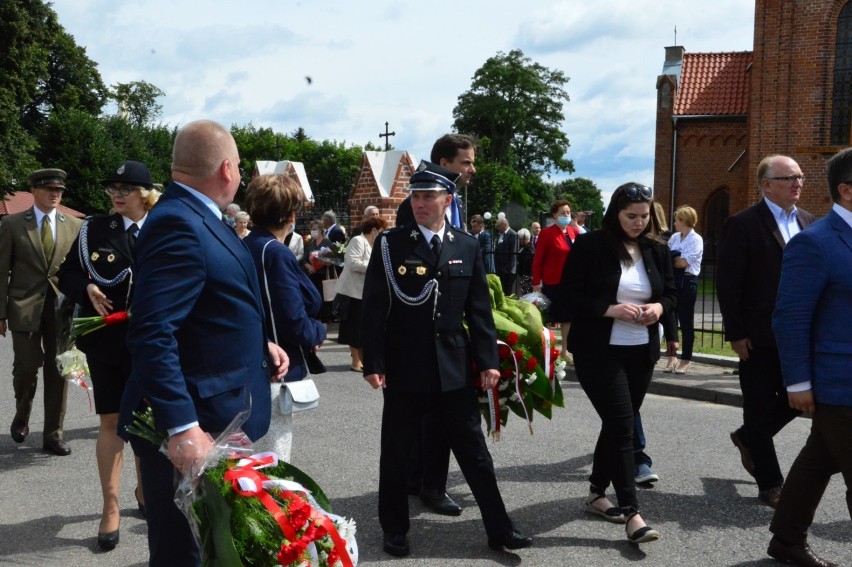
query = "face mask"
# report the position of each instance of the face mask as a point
(315, 234)
(563, 221)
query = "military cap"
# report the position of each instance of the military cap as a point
(131, 173)
(53, 178)
(432, 177)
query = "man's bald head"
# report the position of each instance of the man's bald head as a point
(199, 149)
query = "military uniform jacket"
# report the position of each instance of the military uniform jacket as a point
(426, 348)
(108, 253)
(25, 273)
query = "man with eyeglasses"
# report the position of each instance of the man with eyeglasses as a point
(33, 244)
(748, 270)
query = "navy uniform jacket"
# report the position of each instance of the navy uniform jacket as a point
(109, 255)
(196, 334)
(416, 351)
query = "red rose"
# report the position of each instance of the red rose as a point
(507, 373)
(519, 355)
(504, 351)
(512, 338)
(531, 364)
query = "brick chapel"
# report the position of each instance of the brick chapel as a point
(719, 114)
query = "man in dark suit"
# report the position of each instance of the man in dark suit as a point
(747, 273)
(506, 255)
(811, 323)
(196, 335)
(477, 229)
(423, 279)
(332, 231)
(33, 244)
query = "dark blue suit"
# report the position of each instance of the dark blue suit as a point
(811, 324)
(196, 336)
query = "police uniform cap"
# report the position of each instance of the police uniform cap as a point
(432, 177)
(53, 178)
(130, 172)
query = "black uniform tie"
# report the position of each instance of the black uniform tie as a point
(436, 247)
(131, 236)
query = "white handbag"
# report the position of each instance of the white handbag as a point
(295, 396)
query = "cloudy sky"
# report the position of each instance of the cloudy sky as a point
(404, 62)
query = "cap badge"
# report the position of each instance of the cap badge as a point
(120, 169)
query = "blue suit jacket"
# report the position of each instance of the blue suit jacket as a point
(196, 332)
(814, 309)
(295, 301)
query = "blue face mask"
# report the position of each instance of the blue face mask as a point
(563, 221)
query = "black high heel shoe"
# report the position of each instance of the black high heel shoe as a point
(139, 502)
(108, 541)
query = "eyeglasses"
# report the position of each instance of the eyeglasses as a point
(787, 178)
(636, 192)
(123, 190)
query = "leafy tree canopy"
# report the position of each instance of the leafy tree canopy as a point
(137, 100)
(583, 195)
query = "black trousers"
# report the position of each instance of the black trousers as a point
(429, 460)
(687, 295)
(766, 410)
(456, 416)
(616, 385)
(828, 451)
(170, 540)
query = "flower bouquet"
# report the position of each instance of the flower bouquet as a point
(530, 368)
(333, 254)
(257, 510)
(85, 325)
(71, 363)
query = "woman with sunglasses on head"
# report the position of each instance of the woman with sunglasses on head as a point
(618, 284)
(98, 275)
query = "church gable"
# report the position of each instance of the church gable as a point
(714, 84)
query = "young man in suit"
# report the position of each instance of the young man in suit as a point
(811, 324)
(506, 255)
(196, 337)
(423, 277)
(33, 244)
(747, 272)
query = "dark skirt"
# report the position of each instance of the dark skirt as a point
(350, 324)
(558, 312)
(108, 380)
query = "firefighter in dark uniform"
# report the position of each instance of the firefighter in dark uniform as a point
(423, 278)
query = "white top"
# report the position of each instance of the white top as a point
(355, 262)
(634, 287)
(297, 246)
(691, 249)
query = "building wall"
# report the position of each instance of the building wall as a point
(792, 86)
(365, 191)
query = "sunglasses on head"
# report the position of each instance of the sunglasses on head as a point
(636, 192)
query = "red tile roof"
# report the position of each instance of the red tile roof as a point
(714, 83)
(23, 200)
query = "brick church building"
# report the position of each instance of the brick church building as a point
(719, 114)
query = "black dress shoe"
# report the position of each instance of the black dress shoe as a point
(440, 503)
(57, 447)
(396, 545)
(770, 496)
(510, 540)
(745, 454)
(108, 541)
(796, 554)
(19, 430)
(139, 502)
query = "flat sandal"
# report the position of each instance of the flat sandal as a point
(613, 514)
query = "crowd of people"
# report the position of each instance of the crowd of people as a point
(227, 309)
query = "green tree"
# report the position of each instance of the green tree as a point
(137, 100)
(516, 105)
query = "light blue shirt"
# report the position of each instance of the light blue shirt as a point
(787, 224)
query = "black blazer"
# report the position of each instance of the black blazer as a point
(109, 255)
(590, 284)
(426, 348)
(748, 269)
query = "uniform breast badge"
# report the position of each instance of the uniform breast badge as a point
(421, 270)
(95, 256)
(111, 258)
(402, 270)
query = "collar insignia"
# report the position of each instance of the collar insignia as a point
(28, 216)
(113, 224)
(450, 236)
(414, 234)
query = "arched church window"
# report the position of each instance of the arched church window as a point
(841, 115)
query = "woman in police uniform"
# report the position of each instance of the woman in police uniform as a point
(98, 275)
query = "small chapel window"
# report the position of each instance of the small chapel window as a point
(841, 116)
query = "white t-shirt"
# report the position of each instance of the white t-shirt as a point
(634, 287)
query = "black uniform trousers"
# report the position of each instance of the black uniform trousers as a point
(828, 451)
(457, 415)
(766, 410)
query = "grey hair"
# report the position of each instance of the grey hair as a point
(330, 216)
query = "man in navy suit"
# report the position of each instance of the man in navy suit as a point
(811, 324)
(332, 231)
(196, 336)
(747, 273)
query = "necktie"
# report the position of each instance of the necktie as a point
(47, 238)
(131, 236)
(436, 246)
